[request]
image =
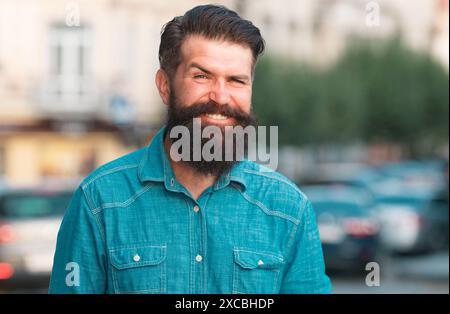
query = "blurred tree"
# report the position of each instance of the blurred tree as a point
(377, 91)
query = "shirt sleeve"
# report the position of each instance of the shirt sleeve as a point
(305, 271)
(80, 259)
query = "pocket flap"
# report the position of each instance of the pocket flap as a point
(251, 259)
(137, 256)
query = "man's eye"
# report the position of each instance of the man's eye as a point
(239, 82)
(200, 76)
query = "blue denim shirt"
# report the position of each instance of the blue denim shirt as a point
(132, 227)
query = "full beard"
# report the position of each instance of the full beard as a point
(180, 115)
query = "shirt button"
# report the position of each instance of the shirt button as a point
(136, 258)
(196, 208)
(172, 182)
(198, 258)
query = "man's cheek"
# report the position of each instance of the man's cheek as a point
(193, 93)
(245, 105)
(243, 99)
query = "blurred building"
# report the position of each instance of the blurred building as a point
(77, 77)
(318, 31)
(77, 83)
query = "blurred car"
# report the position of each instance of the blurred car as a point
(429, 173)
(348, 232)
(414, 218)
(29, 223)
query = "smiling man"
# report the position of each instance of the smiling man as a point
(147, 223)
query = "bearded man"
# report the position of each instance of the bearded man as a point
(152, 223)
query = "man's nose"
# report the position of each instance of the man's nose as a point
(219, 93)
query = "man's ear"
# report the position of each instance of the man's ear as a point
(162, 83)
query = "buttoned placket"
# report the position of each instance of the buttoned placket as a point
(198, 236)
(197, 226)
(198, 245)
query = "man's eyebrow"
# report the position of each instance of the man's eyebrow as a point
(243, 77)
(196, 65)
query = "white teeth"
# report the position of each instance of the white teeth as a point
(216, 116)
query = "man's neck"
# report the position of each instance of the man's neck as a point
(194, 182)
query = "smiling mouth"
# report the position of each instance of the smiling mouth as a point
(217, 117)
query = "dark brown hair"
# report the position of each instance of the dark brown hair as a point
(213, 22)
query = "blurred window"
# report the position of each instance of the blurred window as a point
(70, 67)
(33, 206)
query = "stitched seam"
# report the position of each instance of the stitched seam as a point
(235, 274)
(237, 249)
(191, 280)
(143, 162)
(136, 246)
(275, 282)
(204, 243)
(139, 291)
(266, 210)
(294, 229)
(119, 291)
(277, 179)
(136, 265)
(161, 264)
(238, 180)
(163, 284)
(95, 216)
(158, 179)
(292, 237)
(110, 171)
(126, 203)
(115, 281)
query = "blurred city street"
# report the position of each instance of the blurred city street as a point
(358, 92)
(399, 275)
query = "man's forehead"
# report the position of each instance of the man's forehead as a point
(215, 53)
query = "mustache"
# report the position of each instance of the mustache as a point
(196, 110)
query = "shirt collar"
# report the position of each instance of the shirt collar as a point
(155, 166)
(236, 174)
(151, 166)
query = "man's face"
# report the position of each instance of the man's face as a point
(213, 83)
(217, 72)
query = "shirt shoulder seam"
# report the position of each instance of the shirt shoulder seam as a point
(125, 203)
(94, 214)
(267, 210)
(108, 172)
(276, 178)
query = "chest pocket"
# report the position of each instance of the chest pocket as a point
(256, 271)
(139, 269)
